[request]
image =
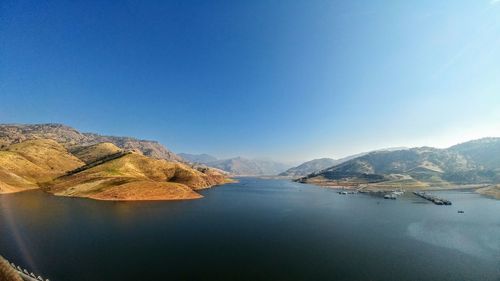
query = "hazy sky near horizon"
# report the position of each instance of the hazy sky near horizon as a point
(289, 80)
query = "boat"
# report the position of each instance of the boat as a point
(390, 196)
(460, 212)
(398, 192)
(342, 192)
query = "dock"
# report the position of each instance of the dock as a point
(434, 199)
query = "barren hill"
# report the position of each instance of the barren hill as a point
(309, 167)
(198, 158)
(249, 167)
(25, 165)
(475, 162)
(92, 153)
(135, 177)
(69, 137)
(63, 166)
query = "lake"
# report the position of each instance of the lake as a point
(256, 229)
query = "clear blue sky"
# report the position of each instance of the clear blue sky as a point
(289, 80)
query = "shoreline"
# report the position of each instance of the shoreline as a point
(489, 190)
(138, 199)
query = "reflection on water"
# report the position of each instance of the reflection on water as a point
(470, 238)
(254, 230)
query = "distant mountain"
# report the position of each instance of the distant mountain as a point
(62, 161)
(309, 167)
(468, 163)
(197, 158)
(317, 165)
(485, 151)
(146, 147)
(69, 137)
(249, 167)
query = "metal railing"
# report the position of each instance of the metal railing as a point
(24, 273)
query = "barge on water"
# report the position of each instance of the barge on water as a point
(432, 198)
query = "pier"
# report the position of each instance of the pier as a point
(432, 198)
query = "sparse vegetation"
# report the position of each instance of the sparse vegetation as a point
(467, 163)
(135, 177)
(71, 138)
(95, 152)
(99, 171)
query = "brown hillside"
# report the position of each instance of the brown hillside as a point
(92, 153)
(69, 138)
(136, 177)
(25, 165)
(492, 191)
(103, 172)
(47, 154)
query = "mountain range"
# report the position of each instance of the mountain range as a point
(474, 162)
(69, 137)
(315, 165)
(309, 167)
(198, 158)
(62, 161)
(238, 166)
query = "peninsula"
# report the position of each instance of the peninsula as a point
(62, 161)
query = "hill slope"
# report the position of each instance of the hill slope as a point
(492, 191)
(468, 163)
(249, 167)
(309, 167)
(100, 171)
(198, 158)
(92, 153)
(484, 151)
(69, 137)
(25, 165)
(135, 177)
(317, 165)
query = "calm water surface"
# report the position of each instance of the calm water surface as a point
(254, 230)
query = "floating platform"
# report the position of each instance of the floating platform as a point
(432, 198)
